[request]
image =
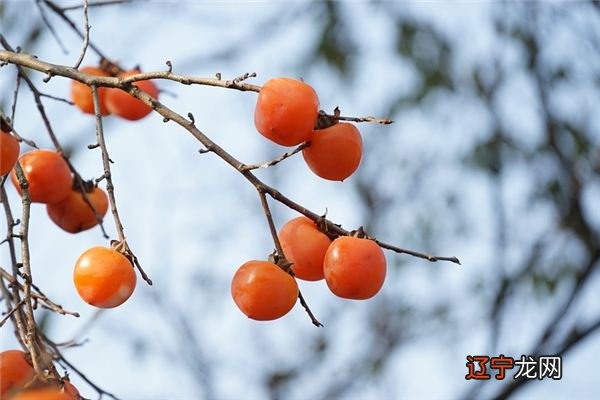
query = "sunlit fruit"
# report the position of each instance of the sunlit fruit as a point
(68, 388)
(305, 246)
(286, 111)
(124, 105)
(104, 277)
(48, 175)
(335, 152)
(74, 215)
(9, 152)
(15, 371)
(263, 291)
(354, 268)
(45, 393)
(81, 94)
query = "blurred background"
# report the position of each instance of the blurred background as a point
(494, 157)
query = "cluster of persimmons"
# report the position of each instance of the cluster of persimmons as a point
(286, 112)
(16, 372)
(104, 277)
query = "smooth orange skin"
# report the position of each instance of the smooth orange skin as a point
(9, 152)
(286, 111)
(354, 268)
(81, 94)
(335, 152)
(74, 215)
(124, 105)
(46, 393)
(304, 245)
(48, 175)
(71, 390)
(14, 371)
(263, 291)
(104, 278)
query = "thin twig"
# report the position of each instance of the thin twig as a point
(19, 319)
(8, 122)
(282, 262)
(13, 110)
(110, 187)
(37, 294)
(381, 121)
(86, 35)
(97, 4)
(31, 327)
(277, 160)
(51, 27)
(56, 9)
(11, 312)
(272, 229)
(55, 348)
(106, 164)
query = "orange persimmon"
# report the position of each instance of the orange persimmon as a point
(48, 175)
(74, 215)
(15, 371)
(9, 152)
(335, 152)
(305, 246)
(263, 291)
(104, 277)
(81, 94)
(124, 105)
(45, 393)
(286, 111)
(354, 268)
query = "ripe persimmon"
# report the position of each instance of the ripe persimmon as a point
(45, 393)
(124, 105)
(354, 268)
(263, 291)
(104, 277)
(286, 111)
(71, 390)
(335, 152)
(15, 371)
(74, 215)
(305, 246)
(9, 152)
(81, 94)
(48, 175)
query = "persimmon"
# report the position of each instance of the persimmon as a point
(81, 94)
(104, 277)
(45, 393)
(354, 268)
(335, 152)
(286, 111)
(74, 215)
(9, 152)
(15, 371)
(124, 105)
(48, 175)
(263, 291)
(305, 246)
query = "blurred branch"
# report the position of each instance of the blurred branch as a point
(86, 35)
(97, 4)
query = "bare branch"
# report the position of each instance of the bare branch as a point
(276, 160)
(86, 35)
